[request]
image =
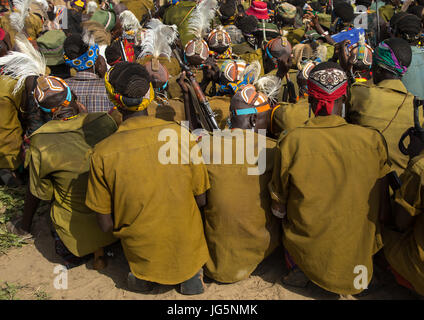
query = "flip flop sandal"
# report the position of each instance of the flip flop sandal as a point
(194, 285)
(8, 179)
(11, 226)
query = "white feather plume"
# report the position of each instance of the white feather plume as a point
(20, 65)
(44, 5)
(17, 18)
(91, 7)
(129, 20)
(158, 39)
(254, 68)
(201, 17)
(269, 85)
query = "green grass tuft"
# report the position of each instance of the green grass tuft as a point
(11, 205)
(8, 291)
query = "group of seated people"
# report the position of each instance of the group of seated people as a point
(93, 113)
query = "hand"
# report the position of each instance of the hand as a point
(278, 209)
(211, 72)
(341, 50)
(181, 82)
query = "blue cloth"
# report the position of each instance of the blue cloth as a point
(413, 79)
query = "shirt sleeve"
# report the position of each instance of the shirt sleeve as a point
(39, 185)
(410, 194)
(98, 196)
(199, 173)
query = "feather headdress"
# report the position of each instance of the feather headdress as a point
(158, 39)
(252, 71)
(91, 7)
(270, 85)
(20, 65)
(201, 18)
(129, 21)
(17, 18)
(94, 32)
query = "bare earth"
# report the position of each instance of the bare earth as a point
(32, 267)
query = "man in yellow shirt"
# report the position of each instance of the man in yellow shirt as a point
(326, 186)
(404, 241)
(58, 168)
(149, 203)
(385, 104)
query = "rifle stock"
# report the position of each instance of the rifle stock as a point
(203, 108)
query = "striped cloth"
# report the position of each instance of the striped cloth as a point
(91, 91)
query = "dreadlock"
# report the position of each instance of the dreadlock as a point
(74, 46)
(401, 49)
(247, 24)
(227, 9)
(130, 79)
(365, 3)
(416, 10)
(407, 25)
(113, 52)
(344, 11)
(316, 6)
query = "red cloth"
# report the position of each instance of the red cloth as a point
(325, 100)
(401, 280)
(258, 9)
(2, 34)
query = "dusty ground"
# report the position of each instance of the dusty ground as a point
(27, 273)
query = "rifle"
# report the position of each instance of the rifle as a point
(289, 93)
(203, 108)
(416, 130)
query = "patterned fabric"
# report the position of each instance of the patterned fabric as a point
(235, 34)
(386, 59)
(90, 91)
(327, 86)
(286, 10)
(85, 61)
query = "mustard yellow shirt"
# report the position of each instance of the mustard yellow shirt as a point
(154, 211)
(405, 251)
(386, 107)
(10, 126)
(58, 162)
(325, 174)
(239, 227)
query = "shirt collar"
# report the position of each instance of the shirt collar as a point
(393, 84)
(85, 75)
(325, 122)
(141, 122)
(57, 126)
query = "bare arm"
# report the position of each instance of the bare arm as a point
(201, 200)
(30, 207)
(105, 222)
